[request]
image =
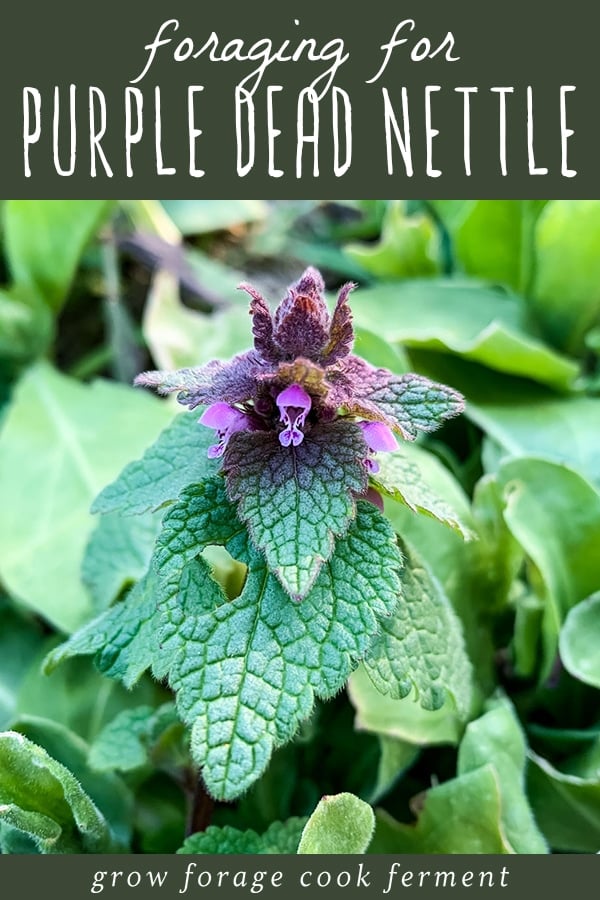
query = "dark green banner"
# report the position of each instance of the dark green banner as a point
(466, 98)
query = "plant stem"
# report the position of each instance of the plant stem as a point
(201, 808)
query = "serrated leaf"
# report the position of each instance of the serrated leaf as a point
(61, 442)
(400, 478)
(117, 555)
(177, 458)
(297, 500)
(41, 797)
(579, 641)
(127, 741)
(341, 823)
(421, 646)
(280, 837)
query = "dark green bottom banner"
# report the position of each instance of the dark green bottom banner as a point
(121, 877)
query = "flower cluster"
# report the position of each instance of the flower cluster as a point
(301, 373)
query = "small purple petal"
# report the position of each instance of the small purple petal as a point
(294, 395)
(294, 405)
(226, 420)
(378, 436)
(371, 465)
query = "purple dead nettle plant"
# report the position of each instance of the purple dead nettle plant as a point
(302, 384)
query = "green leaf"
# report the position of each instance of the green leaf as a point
(201, 216)
(19, 641)
(396, 756)
(245, 672)
(44, 241)
(408, 246)
(566, 296)
(108, 792)
(400, 478)
(280, 837)
(61, 442)
(493, 239)
(177, 458)
(297, 500)
(555, 516)
(405, 719)
(580, 639)
(567, 807)
(421, 646)
(467, 319)
(127, 742)
(340, 824)
(462, 815)
(117, 555)
(25, 326)
(497, 738)
(40, 797)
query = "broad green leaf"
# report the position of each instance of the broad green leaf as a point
(40, 797)
(462, 815)
(555, 515)
(177, 458)
(493, 239)
(465, 318)
(526, 421)
(280, 837)
(44, 241)
(25, 326)
(497, 738)
(179, 337)
(297, 500)
(341, 823)
(579, 641)
(565, 296)
(61, 442)
(128, 741)
(20, 640)
(408, 246)
(380, 353)
(117, 555)
(202, 216)
(400, 478)
(421, 646)
(108, 792)
(567, 807)
(405, 719)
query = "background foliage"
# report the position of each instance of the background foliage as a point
(500, 299)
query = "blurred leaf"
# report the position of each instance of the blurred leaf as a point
(178, 337)
(497, 738)
(61, 442)
(566, 290)
(555, 516)
(396, 756)
(462, 815)
(466, 318)
(201, 216)
(44, 241)
(580, 641)
(40, 797)
(117, 555)
(493, 239)
(19, 641)
(566, 807)
(26, 326)
(404, 719)
(407, 248)
(340, 824)
(280, 837)
(380, 353)
(128, 740)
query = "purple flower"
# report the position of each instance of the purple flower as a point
(294, 405)
(226, 420)
(303, 374)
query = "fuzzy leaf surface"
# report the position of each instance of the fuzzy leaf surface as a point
(177, 458)
(126, 742)
(340, 824)
(297, 500)
(280, 837)
(421, 646)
